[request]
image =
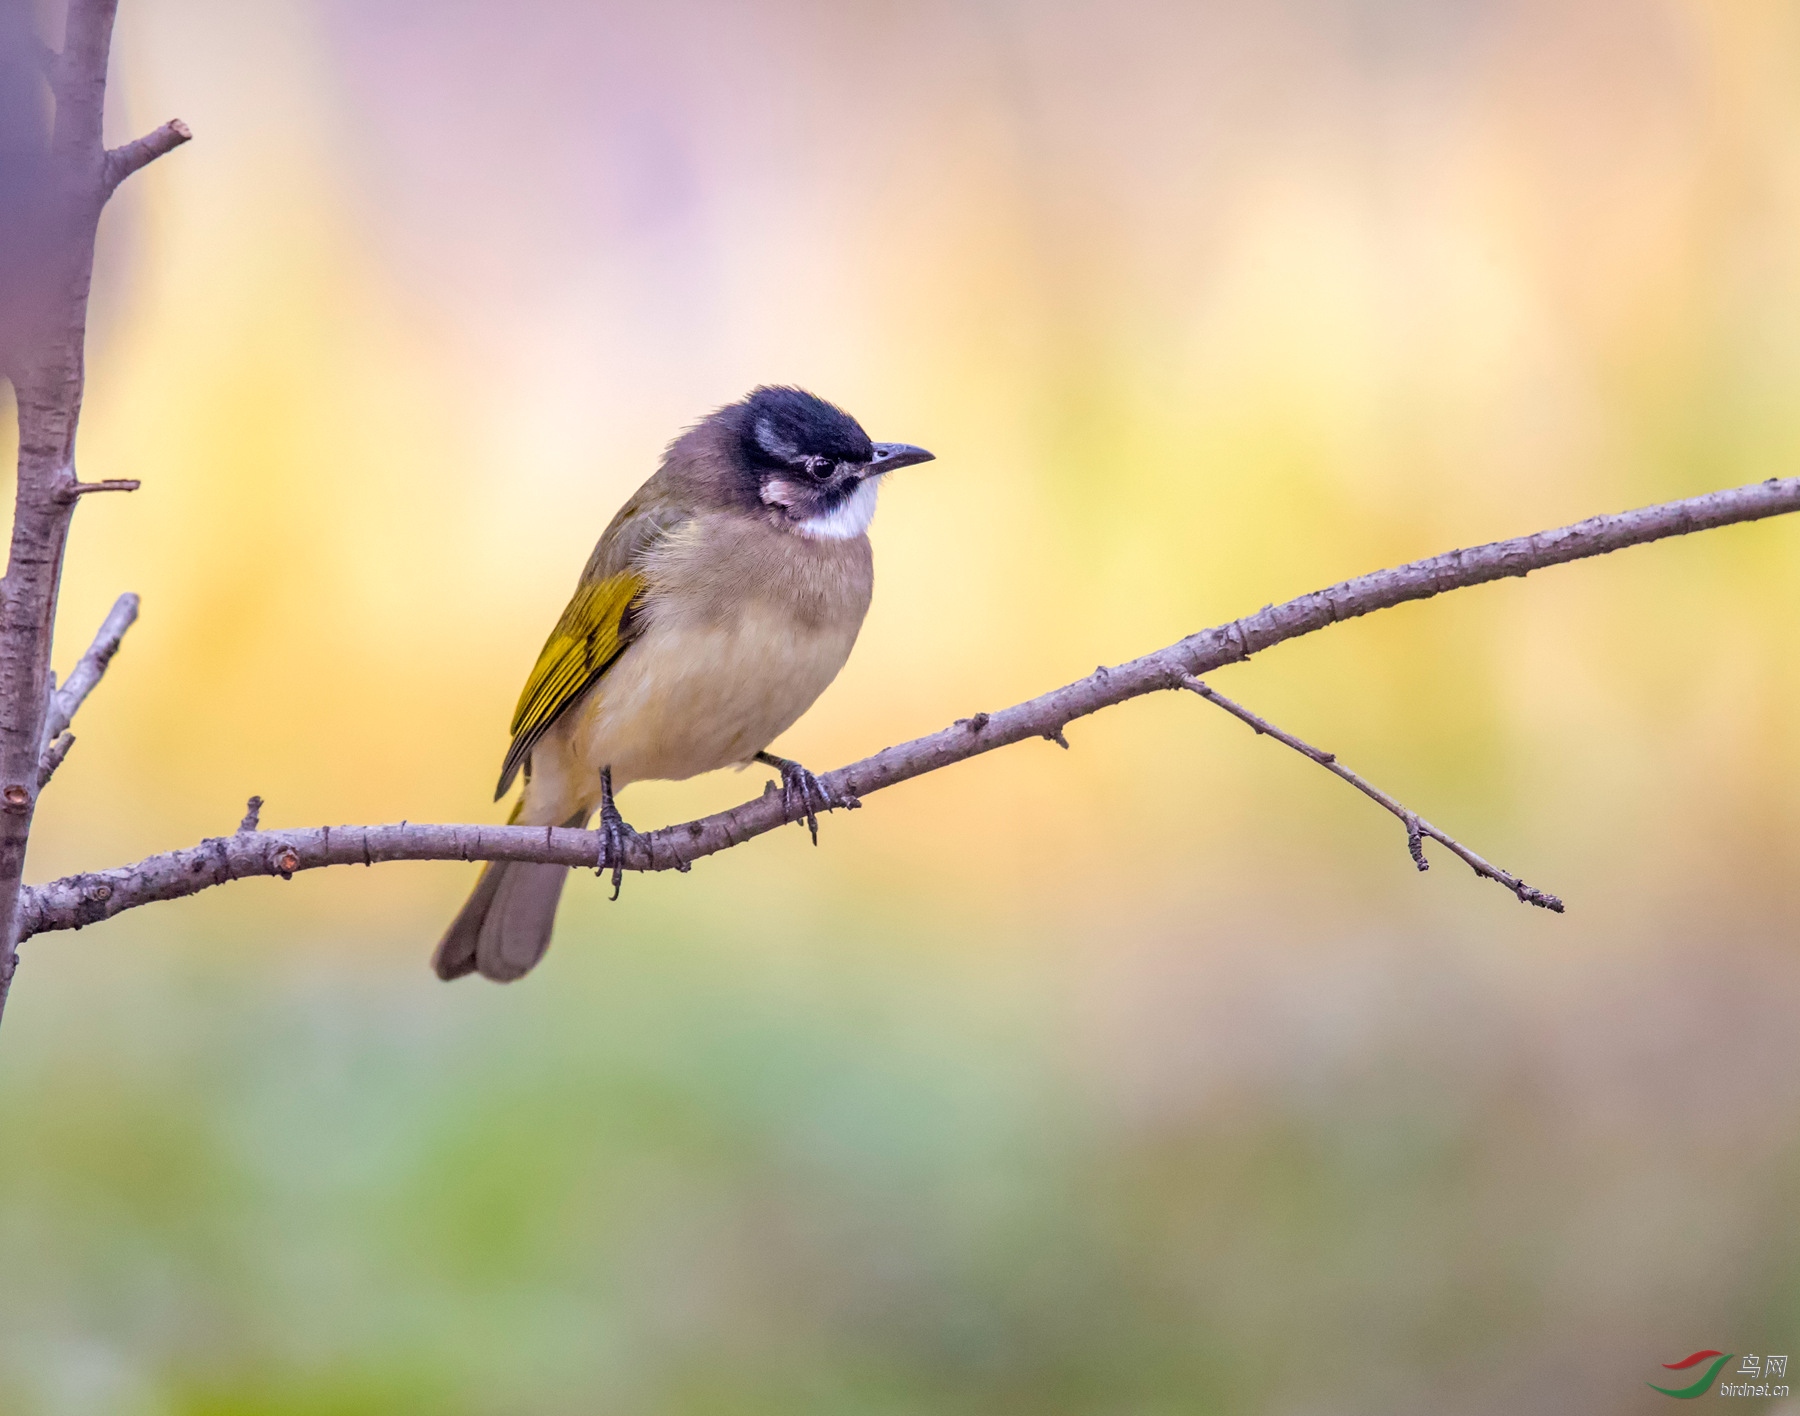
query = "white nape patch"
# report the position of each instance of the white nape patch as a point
(773, 443)
(850, 518)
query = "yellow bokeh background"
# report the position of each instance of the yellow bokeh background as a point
(1147, 1077)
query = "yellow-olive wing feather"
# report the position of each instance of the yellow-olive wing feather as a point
(592, 632)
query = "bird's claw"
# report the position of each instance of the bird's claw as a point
(615, 834)
(801, 792)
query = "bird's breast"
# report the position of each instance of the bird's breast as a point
(743, 626)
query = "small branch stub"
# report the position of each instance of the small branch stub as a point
(121, 162)
(74, 491)
(252, 815)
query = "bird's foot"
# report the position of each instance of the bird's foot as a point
(615, 833)
(801, 791)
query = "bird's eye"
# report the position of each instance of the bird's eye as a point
(820, 467)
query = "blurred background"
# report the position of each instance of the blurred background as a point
(1144, 1078)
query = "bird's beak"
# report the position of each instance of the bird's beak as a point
(889, 456)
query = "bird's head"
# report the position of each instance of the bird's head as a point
(811, 463)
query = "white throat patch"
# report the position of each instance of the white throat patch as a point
(849, 520)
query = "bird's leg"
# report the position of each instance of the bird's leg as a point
(799, 788)
(614, 833)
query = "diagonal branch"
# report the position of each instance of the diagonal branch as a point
(85, 676)
(79, 900)
(1416, 826)
(53, 758)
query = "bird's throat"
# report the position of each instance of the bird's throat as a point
(847, 520)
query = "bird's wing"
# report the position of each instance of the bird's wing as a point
(593, 631)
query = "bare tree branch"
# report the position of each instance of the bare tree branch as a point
(79, 900)
(72, 492)
(121, 162)
(53, 758)
(1416, 826)
(66, 701)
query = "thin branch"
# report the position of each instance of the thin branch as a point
(252, 814)
(79, 900)
(85, 676)
(71, 492)
(53, 758)
(139, 153)
(1416, 825)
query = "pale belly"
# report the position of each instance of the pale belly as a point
(692, 697)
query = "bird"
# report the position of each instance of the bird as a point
(720, 602)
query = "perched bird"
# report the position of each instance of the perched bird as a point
(719, 603)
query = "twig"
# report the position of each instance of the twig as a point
(1416, 825)
(53, 758)
(252, 814)
(86, 674)
(73, 491)
(139, 153)
(72, 901)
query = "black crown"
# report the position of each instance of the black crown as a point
(785, 427)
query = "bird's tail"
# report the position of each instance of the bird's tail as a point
(504, 928)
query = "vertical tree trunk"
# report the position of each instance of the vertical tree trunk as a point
(46, 371)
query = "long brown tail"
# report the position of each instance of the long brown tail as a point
(505, 927)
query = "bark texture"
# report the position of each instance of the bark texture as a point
(44, 353)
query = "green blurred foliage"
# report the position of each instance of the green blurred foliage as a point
(824, 1174)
